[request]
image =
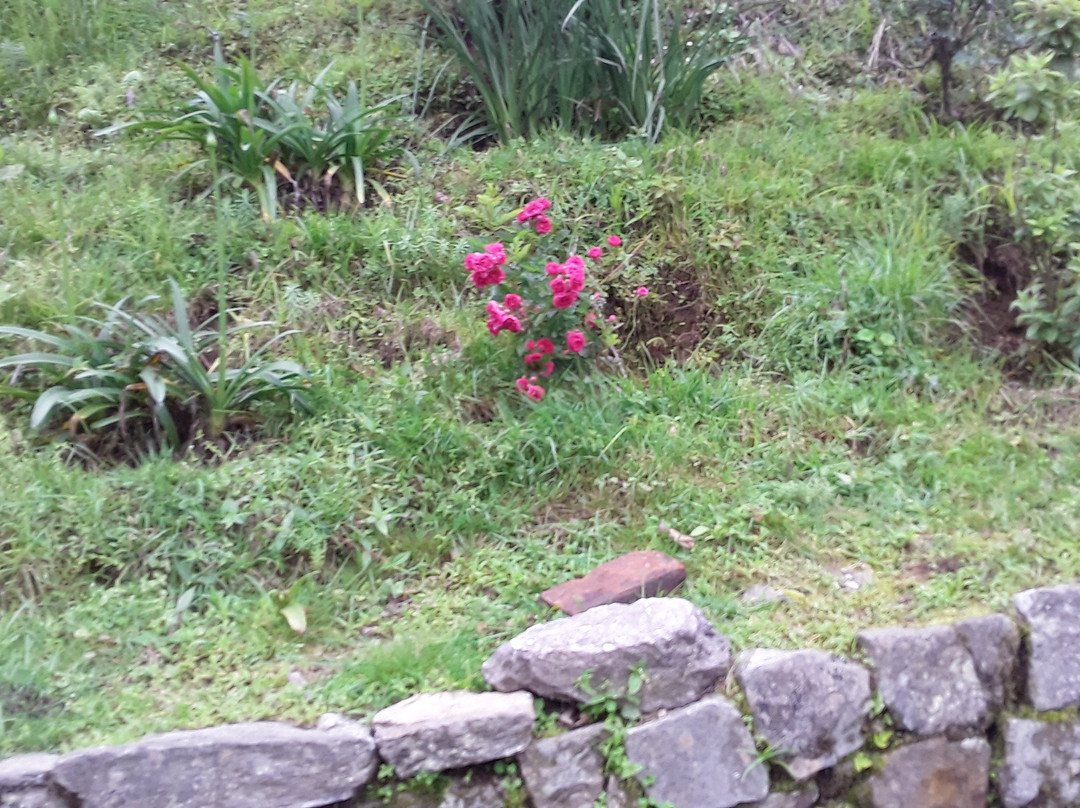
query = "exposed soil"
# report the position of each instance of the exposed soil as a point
(672, 322)
(1006, 270)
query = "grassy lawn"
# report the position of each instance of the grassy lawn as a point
(809, 387)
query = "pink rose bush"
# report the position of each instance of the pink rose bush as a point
(545, 298)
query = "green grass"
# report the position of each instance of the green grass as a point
(425, 504)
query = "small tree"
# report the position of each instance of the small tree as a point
(938, 31)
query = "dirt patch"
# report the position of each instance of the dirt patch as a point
(990, 317)
(672, 322)
(25, 700)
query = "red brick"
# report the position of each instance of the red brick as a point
(644, 573)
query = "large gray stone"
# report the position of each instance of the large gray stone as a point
(927, 679)
(934, 774)
(24, 782)
(701, 756)
(258, 765)
(994, 644)
(565, 771)
(438, 731)
(805, 797)
(683, 656)
(810, 705)
(1053, 674)
(1042, 764)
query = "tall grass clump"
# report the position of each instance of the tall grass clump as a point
(37, 39)
(879, 302)
(599, 67)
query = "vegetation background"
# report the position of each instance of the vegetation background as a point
(828, 386)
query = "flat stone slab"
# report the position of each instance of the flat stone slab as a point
(927, 679)
(437, 731)
(934, 774)
(994, 644)
(24, 781)
(701, 756)
(1053, 617)
(1042, 764)
(682, 655)
(255, 765)
(812, 705)
(641, 574)
(565, 771)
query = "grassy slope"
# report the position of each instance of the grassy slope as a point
(955, 489)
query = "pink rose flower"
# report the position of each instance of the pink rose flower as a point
(535, 392)
(549, 368)
(575, 341)
(545, 346)
(522, 384)
(614, 241)
(641, 291)
(595, 253)
(543, 225)
(512, 302)
(564, 300)
(533, 357)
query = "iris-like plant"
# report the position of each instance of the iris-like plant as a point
(262, 132)
(604, 67)
(156, 381)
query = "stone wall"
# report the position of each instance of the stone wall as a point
(949, 716)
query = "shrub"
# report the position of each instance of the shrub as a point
(1045, 204)
(1052, 25)
(556, 311)
(1030, 90)
(157, 384)
(604, 67)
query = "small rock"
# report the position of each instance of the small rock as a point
(759, 593)
(934, 774)
(683, 656)
(438, 731)
(1042, 764)
(336, 722)
(854, 577)
(565, 771)
(810, 704)
(642, 574)
(257, 765)
(24, 782)
(994, 644)
(701, 756)
(805, 797)
(1053, 674)
(927, 679)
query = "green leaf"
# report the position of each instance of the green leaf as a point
(862, 762)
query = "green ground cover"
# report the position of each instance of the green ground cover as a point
(812, 387)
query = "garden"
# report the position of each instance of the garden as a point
(333, 333)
